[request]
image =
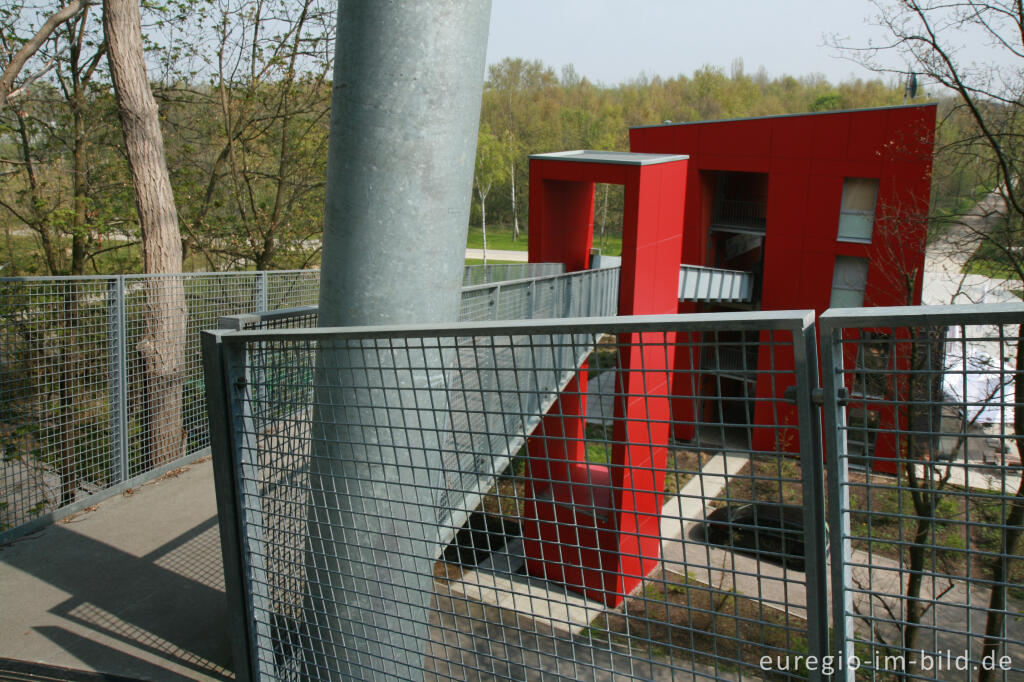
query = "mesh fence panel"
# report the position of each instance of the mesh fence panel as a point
(163, 318)
(928, 493)
(57, 351)
(406, 505)
(91, 369)
(588, 293)
(292, 288)
(496, 272)
(100, 377)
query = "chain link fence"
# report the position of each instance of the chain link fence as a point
(91, 369)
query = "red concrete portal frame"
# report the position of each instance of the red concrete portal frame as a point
(804, 160)
(596, 528)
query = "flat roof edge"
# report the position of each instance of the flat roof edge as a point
(774, 116)
(609, 157)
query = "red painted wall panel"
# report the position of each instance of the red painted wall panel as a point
(807, 158)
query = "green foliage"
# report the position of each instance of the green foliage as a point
(534, 110)
(500, 237)
(244, 96)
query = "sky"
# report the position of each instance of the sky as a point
(611, 41)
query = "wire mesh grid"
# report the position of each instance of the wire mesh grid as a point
(587, 293)
(56, 425)
(507, 502)
(163, 317)
(928, 494)
(90, 368)
(291, 288)
(496, 272)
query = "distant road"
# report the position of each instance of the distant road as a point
(950, 252)
(945, 258)
(493, 254)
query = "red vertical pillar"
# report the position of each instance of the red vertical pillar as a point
(649, 284)
(597, 528)
(561, 231)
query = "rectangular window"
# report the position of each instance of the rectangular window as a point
(849, 280)
(857, 213)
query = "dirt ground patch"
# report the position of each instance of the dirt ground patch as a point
(680, 619)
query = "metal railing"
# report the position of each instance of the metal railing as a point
(496, 272)
(79, 405)
(918, 573)
(926, 484)
(304, 574)
(585, 293)
(83, 412)
(740, 213)
(697, 283)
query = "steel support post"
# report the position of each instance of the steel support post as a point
(264, 292)
(805, 355)
(408, 78)
(839, 500)
(117, 379)
(248, 663)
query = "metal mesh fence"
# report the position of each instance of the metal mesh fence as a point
(57, 414)
(504, 500)
(926, 490)
(291, 288)
(100, 378)
(587, 293)
(496, 272)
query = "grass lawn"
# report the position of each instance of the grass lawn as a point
(490, 261)
(989, 268)
(500, 237)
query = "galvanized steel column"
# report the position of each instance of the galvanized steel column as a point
(406, 105)
(407, 83)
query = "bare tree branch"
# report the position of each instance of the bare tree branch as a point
(32, 46)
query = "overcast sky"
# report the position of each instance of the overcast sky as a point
(611, 41)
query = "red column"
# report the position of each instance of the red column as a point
(596, 528)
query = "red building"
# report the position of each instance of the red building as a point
(779, 213)
(807, 211)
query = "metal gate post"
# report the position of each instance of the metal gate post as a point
(222, 447)
(264, 289)
(812, 472)
(836, 464)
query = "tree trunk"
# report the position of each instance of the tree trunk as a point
(1011, 533)
(922, 496)
(515, 210)
(483, 222)
(162, 347)
(78, 233)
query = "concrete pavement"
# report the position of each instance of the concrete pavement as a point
(132, 587)
(495, 255)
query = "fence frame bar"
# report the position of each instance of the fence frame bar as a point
(228, 501)
(831, 325)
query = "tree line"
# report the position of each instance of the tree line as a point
(244, 90)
